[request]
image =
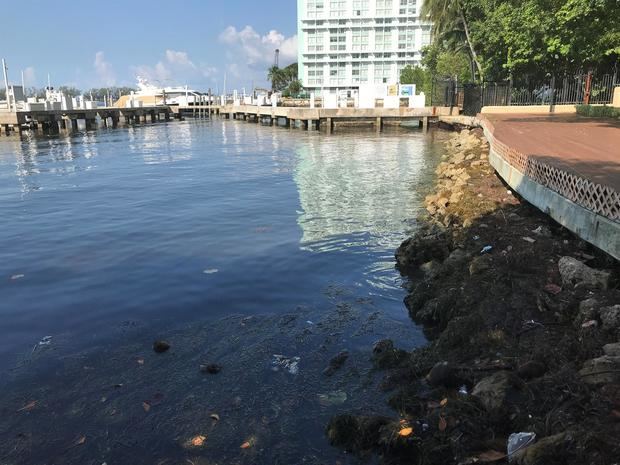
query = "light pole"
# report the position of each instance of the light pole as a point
(6, 84)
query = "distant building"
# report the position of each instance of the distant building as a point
(347, 43)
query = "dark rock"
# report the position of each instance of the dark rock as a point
(336, 363)
(428, 244)
(576, 273)
(610, 317)
(161, 346)
(531, 370)
(613, 350)
(588, 310)
(456, 258)
(443, 374)
(480, 264)
(551, 449)
(431, 269)
(356, 433)
(494, 391)
(384, 355)
(212, 368)
(601, 370)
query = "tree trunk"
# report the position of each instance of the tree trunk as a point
(469, 43)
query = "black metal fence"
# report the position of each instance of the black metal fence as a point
(567, 90)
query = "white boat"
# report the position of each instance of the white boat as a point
(149, 94)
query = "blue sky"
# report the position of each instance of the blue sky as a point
(95, 44)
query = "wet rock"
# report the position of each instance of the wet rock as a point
(431, 269)
(493, 391)
(612, 350)
(610, 317)
(429, 244)
(531, 370)
(547, 450)
(356, 433)
(384, 355)
(456, 258)
(211, 368)
(336, 363)
(443, 374)
(601, 370)
(480, 264)
(576, 273)
(588, 310)
(161, 346)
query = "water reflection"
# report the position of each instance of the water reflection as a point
(357, 191)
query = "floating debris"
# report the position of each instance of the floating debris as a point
(332, 398)
(486, 249)
(211, 271)
(290, 364)
(17, 276)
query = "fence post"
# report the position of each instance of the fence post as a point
(586, 96)
(552, 99)
(509, 99)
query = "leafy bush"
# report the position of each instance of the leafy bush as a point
(603, 111)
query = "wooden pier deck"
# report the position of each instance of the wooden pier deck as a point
(304, 117)
(315, 118)
(66, 119)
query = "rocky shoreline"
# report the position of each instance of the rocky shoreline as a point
(523, 320)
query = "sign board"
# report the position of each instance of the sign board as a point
(392, 90)
(407, 90)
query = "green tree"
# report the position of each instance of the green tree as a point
(449, 18)
(453, 65)
(283, 78)
(70, 91)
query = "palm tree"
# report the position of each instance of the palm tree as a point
(274, 75)
(448, 16)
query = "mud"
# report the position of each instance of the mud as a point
(523, 323)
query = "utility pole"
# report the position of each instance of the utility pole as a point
(23, 85)
(276, 61)
(6, 84)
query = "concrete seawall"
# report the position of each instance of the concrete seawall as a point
(592, 213)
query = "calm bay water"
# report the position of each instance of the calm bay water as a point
(116, 237)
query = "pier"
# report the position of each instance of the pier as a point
(68, 119)
(292, 117)
(328, 119)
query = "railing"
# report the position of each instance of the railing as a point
(568, 90)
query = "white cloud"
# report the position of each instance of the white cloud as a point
(256, 50)
(104, 70)
(30, 77)
(175, 68)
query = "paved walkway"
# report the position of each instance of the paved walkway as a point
(587, 147)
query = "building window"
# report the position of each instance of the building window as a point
(315, 8)
(406, 39)
(359, 39)
(383, 39)
(338, 74)
(426, 37)
(407, 7)
(360, 8)
(337, 8)
(315, 75)
(359, 72)
(384, 7)
(337, 40)
(382, 72)
(315, 41)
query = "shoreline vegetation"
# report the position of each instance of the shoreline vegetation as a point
(524, 328)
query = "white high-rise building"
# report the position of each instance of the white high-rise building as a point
(347, 43)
